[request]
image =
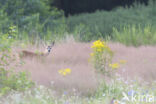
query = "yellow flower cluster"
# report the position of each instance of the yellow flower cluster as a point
(117, 65)
(64, 72)
(91, 54)
(99, 46)
(114, 66)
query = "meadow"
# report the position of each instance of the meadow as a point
(68, 76)
(98, 58)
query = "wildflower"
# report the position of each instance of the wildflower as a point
(131, 93)
(91, 54)
(101, 55)
(65, 93)
(103, 94)
(98, 44)
(41, 87)
(68, 70)
(123, 61)
(66, 102)
(114, 66)
(64, 72)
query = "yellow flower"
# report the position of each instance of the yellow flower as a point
(68, 70)
(98, 44)
(91, 54)
(123, 61)
(114, 66)
(64, 72)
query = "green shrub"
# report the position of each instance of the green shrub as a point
(10, 80)
(34, 18)
(135, 35)
(4, 21)
(102, 22)
(19, 11)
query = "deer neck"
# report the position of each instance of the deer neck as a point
(46, 53)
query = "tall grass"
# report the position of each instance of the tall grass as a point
(135, 35)
(19, 88)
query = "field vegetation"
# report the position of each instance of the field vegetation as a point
(101, 24)
(81, 68)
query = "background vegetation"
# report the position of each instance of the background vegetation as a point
(35, 20)
(71, 7)
(101, 23)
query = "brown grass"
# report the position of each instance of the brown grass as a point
(70, 55)
(140, 63)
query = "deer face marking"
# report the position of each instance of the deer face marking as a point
(50, 47)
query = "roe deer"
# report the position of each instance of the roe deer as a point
(28, 54)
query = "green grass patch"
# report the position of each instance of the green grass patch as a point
(135, 35)
(10, 80)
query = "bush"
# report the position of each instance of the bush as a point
(19, 11)
(4, 21)
(10, 80)
(135, 35)
(34, 18)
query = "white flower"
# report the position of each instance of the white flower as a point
(41, 87)
(103, 94)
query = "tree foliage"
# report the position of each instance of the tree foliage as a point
(26, 12)
(79, 6)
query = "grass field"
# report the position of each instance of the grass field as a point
(98, 58)
(84, 85)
